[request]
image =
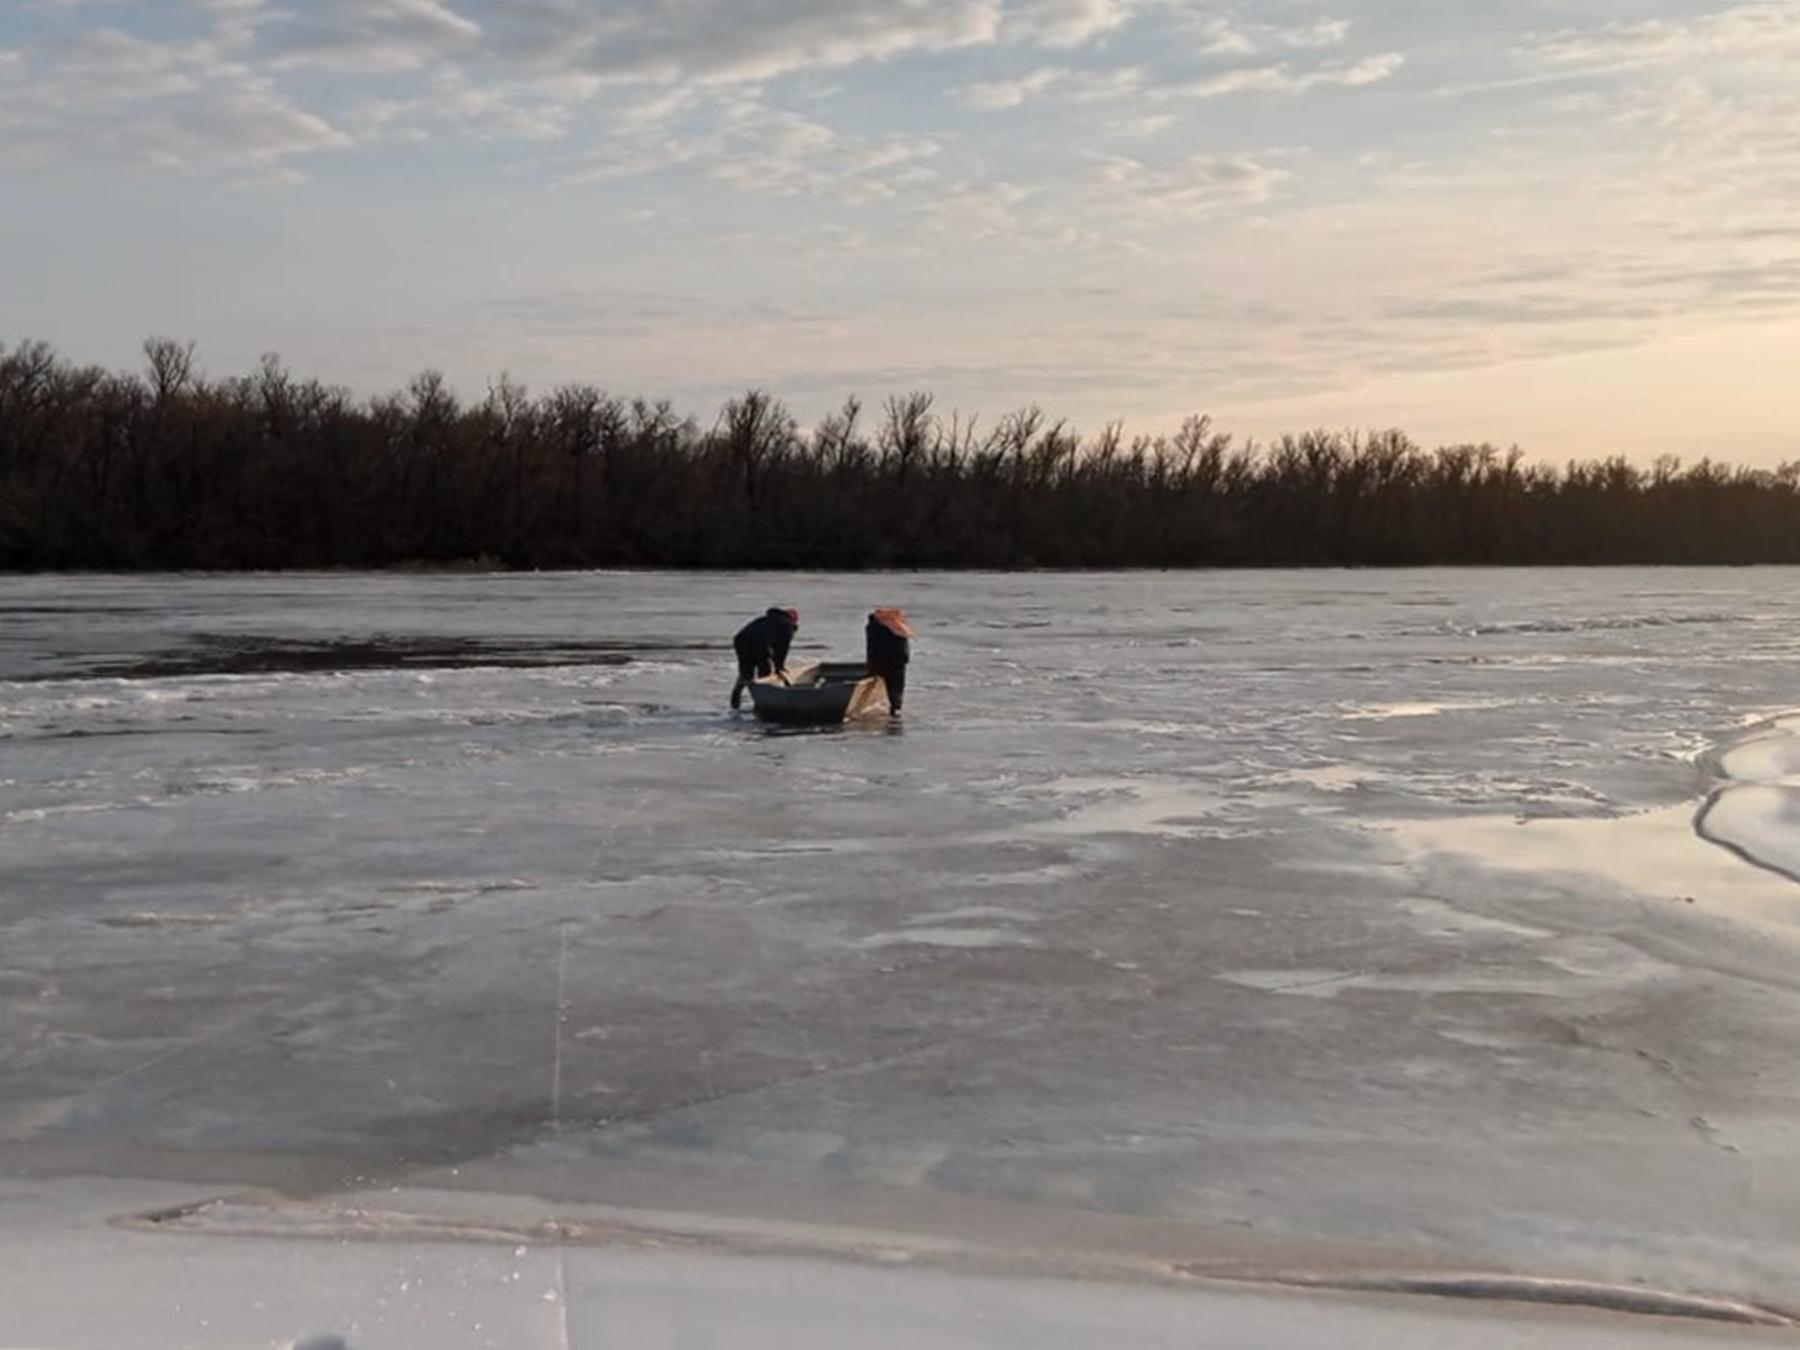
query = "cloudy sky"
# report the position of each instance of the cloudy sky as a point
(1573, 226)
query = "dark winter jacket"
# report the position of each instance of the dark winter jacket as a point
(887, 650)
(767, 639)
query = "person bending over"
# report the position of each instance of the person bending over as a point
(762, 648)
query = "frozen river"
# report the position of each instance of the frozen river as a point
(1358, 909)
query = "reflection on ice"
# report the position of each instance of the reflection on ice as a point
(1134, 806)
(1381, 712)
(1333, 778)
(1653, 854)
(972, 938)
(1757, 813)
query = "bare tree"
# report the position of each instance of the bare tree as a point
(171, 366)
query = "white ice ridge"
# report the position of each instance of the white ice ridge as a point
(1756, 813)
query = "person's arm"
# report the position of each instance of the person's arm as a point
(783, 639)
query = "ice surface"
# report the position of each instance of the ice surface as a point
(1757, 812)
(1361, 906)
(1654, 854)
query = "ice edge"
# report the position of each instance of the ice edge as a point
(257, 1218)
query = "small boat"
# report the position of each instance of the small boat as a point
(819, 695)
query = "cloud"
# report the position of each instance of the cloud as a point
(522, 110)
(1153, 124)
(712, 41)
(1765, 31)
(1552, 311)
(1011, 93)
(1065, 23)
(976, 211)
(1606, 300)
(1284, 79)
(109, 95)
(718, 41)
(739, 142)
(1198, 185)
(1077, 86)
(726, 41)
(522, 69)
(783, 154)
(1085, 86)
(663, 41)
(370, 36)
(1222, 35)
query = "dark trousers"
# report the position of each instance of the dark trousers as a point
(753, 664)
(894, 677)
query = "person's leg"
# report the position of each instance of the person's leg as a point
(746, 673)
(896, 688)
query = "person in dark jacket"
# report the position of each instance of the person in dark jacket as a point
(889, 645)
(762, 648)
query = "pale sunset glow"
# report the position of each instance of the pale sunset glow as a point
(1575, 228)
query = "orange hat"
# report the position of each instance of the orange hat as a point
(894, 620)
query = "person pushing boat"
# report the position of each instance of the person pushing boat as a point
(889, 649)
(762, 648)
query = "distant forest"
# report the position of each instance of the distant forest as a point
(168, 469)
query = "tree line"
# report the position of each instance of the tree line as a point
(165, 468)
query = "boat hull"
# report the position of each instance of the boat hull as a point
(816, 696)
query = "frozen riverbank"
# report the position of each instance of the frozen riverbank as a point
(1162, 906)
(73, 1280)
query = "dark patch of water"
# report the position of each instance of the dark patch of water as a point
(236, 654)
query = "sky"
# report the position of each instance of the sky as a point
(1571, 227)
